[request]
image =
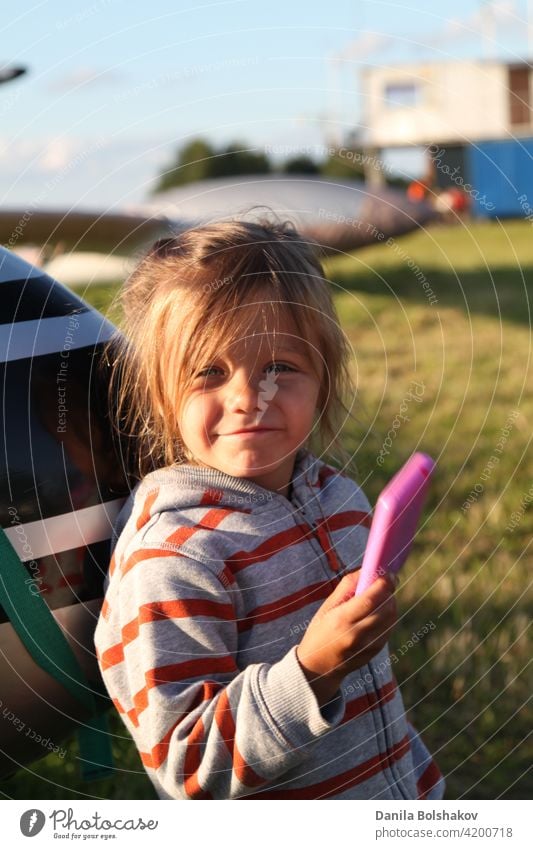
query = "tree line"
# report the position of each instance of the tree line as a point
(201, 160)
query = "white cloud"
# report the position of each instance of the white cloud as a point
(501, 14)
(76, 172)
(84, 77)
(57, 154)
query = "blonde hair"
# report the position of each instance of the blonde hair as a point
(191, 296)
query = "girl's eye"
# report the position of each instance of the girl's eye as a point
(204, 372)
(279, 365)
(208, 372)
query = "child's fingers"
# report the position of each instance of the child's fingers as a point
(359, 607)
(345, 589)
(342, 592)
(375, 626)
(378, 623)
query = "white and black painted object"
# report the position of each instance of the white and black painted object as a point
(61, 485)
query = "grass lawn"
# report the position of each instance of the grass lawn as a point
(458, 368)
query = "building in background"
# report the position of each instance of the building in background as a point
(473, 118)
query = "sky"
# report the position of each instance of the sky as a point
(114, 88)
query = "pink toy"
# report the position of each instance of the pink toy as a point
(395, 519)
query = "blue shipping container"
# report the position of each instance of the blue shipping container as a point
(500, 174)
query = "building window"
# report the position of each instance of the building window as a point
(402, 94)
(519, 96)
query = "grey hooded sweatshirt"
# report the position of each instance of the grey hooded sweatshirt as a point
(212, 583)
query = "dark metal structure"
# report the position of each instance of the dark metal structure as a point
(61, 487)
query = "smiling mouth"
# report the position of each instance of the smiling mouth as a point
(250, 430)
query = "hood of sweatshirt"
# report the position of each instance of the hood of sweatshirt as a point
(323, 500)
(189, 486)
(227, 488)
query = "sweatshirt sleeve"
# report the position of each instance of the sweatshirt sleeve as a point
(206, 724)
(430, 782)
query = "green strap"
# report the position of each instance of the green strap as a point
(94, 742)
(45, 641)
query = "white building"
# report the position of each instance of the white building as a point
(455, 103)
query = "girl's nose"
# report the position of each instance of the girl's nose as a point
(243, 394)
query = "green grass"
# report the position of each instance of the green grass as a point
(467, 683)
(484, 270)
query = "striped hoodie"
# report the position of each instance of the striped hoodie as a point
(212, 583)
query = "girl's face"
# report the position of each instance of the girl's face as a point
(264, 385)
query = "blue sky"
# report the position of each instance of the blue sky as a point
(113, 88)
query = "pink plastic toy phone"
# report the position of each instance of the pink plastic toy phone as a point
(395, 519)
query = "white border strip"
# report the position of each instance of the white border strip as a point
(61, 533)
(21, 340)
(304, 824)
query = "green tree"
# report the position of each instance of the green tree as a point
(199, 160)
(348, 164)
(192, 162)
(300, 165)
(236, 158)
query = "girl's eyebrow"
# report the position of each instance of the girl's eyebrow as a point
(297, 349)
(294, 348)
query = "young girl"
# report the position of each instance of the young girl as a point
(230, 639)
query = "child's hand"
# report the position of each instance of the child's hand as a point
(346, 632)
